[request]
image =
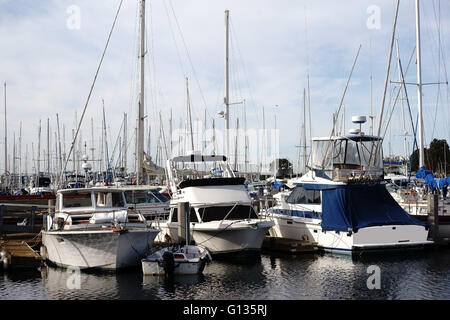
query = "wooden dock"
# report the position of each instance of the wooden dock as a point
(289, 245)
(19, 251)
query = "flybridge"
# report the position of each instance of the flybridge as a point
(182, 175)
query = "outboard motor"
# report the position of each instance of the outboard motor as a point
(168, 262)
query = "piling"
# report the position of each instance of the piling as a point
(433, 217)
(183, 222)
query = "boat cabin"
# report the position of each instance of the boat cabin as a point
(348, 158)
(92, 206)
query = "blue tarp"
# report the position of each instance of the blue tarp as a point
(444, 182)
(430, 181)
(428, 176)
(359, 206)
(422, 173)
(276, 184)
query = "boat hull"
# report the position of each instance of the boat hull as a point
(226, 238)
(156, 268)
(102, 249)
(365, 239)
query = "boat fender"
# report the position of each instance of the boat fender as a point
(4, 260)
(168, 263)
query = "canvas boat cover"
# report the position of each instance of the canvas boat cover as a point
(360, 206)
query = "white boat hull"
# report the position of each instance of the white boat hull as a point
(369, 238)
(156, 268)
(228, 237)
(103, 249)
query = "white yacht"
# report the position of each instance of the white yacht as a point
(222, 218)
(93, 228)
(342, 203)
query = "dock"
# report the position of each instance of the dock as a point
(19, 251)
(289, 245)
(20, 237)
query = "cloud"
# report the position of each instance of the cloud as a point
(49, 68)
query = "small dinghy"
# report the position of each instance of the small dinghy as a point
(176, 259)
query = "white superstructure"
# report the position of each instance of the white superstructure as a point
(221, 215)
(93, 228)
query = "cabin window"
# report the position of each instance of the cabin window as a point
(297, 196)
(109, 199)
(313, 196)
(193, 216)
(159, 196)
(219, 213)
(76, 200)
(144, 196)
(174, 215)
(302, 196)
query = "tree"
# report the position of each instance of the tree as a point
(437, 157)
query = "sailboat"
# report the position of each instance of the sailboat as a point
(413, 199)
(94, 227)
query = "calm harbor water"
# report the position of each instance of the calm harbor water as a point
(412, 275)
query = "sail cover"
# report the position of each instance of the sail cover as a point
(361, 206)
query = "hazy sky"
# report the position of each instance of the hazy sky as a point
(50, 50)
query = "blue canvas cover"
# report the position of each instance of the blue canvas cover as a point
(360, 206)
(422, 173)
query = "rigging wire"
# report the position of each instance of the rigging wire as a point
(245, 71)
(91, 89)
(189, 58)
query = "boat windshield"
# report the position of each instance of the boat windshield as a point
(159, 196)
(302, 196)
(341, 157)
(109, 199)
(229, 212)
(77, 200)
(144, 196)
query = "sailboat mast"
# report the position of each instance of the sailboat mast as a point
(304, 130)
(227, 85)
(245, 139)
(20, 156)
(140, 129)
(419, 88)
(59, 149)
(189, 117)
(48, 146)
(6, 137)
(125, 141)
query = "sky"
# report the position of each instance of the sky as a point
(50, 50)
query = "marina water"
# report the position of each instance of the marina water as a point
(409, 275)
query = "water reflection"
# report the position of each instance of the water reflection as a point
(411, 275)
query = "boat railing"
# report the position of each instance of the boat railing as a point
(356, 174)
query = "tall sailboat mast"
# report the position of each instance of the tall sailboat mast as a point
(6, 138)
(419, 88)
(140, 129)
(227, 85)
